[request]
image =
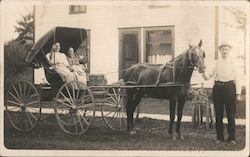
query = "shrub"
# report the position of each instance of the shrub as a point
(15, 67)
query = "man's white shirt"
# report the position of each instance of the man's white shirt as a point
(225, 70)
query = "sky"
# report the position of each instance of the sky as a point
(11, 14)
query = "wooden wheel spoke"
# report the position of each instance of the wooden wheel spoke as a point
(85, 112)
(64, 115)
(13, 108)
(33, 95)
(62, 111)
(82, 95)
(66, 98)
(28, 95)
(63, 103)
(32, 115)
(34, 109)
(73, 90)
(112, 118)
(76, 128)
(108, 113)
(111, 96)
(24, 120)
(24, 91)
(82, 106)
(110, 103)
(85, 98)
(29, 120)
(15, 97)
(31, 103)
(115, 94)
(69, 94)
(77, 94)
(71, 101)
(124, 118)
(16, 92)
(110, 100)
(79, 119)
(12, 115)
(63, 107)
(20, 90)
(85, 120)
(12, 102)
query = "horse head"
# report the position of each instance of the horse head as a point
(196, 57)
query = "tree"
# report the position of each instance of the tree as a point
(15, 67)
(15, 52)
(25, 29)
(240, 18)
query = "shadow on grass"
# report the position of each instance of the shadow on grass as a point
(151, 135)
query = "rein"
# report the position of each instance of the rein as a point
(174, 65)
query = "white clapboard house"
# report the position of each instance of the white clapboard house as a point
(121, 35)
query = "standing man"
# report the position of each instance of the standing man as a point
(226, 90)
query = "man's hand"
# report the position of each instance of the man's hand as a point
(238, 97)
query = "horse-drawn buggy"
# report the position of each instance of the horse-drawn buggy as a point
(76, 103)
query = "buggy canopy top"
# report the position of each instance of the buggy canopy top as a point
(67, 37)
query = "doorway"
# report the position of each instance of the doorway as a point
(129, 48)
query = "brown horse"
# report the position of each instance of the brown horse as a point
(178, 71)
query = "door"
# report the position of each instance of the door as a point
(129, 49)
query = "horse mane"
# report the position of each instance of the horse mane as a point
(171, 62)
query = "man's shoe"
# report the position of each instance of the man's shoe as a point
(219, 141)
(232, 142)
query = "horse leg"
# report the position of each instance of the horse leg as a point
(137, 99)
(130, 95)
(181, 102)
(172, 117)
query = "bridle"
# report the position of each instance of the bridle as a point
(174, 67)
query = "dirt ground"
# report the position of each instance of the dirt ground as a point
(151, 135)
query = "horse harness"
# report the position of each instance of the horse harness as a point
(174, 67)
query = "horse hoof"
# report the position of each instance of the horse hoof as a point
(132, 132)
(180, 137)
(173, 137)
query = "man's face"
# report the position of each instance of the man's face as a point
(58, 46)
(225, 51)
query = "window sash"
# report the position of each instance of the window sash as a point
(77, 9)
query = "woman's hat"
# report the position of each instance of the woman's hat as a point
(225, 44)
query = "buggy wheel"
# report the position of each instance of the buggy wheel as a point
(23, 105)
(114, 109)
(74, 108)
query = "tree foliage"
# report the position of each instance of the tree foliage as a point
(15, 52)
(239, 16)
(15, 67)
(25, 29)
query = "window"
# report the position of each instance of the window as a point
(77, 9)
(159, 45)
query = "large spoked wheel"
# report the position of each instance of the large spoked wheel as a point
(23, 105)
(114, 109)
(74, 108)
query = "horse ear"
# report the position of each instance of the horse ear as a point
(200, 43)
(190, 46)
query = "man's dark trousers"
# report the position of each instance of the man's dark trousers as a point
(224, 94)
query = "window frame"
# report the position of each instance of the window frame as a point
(72, 12)
(157, 28)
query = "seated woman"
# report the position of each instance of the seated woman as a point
(76, 67)
(60, 63)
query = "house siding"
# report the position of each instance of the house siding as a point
(190, 24)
